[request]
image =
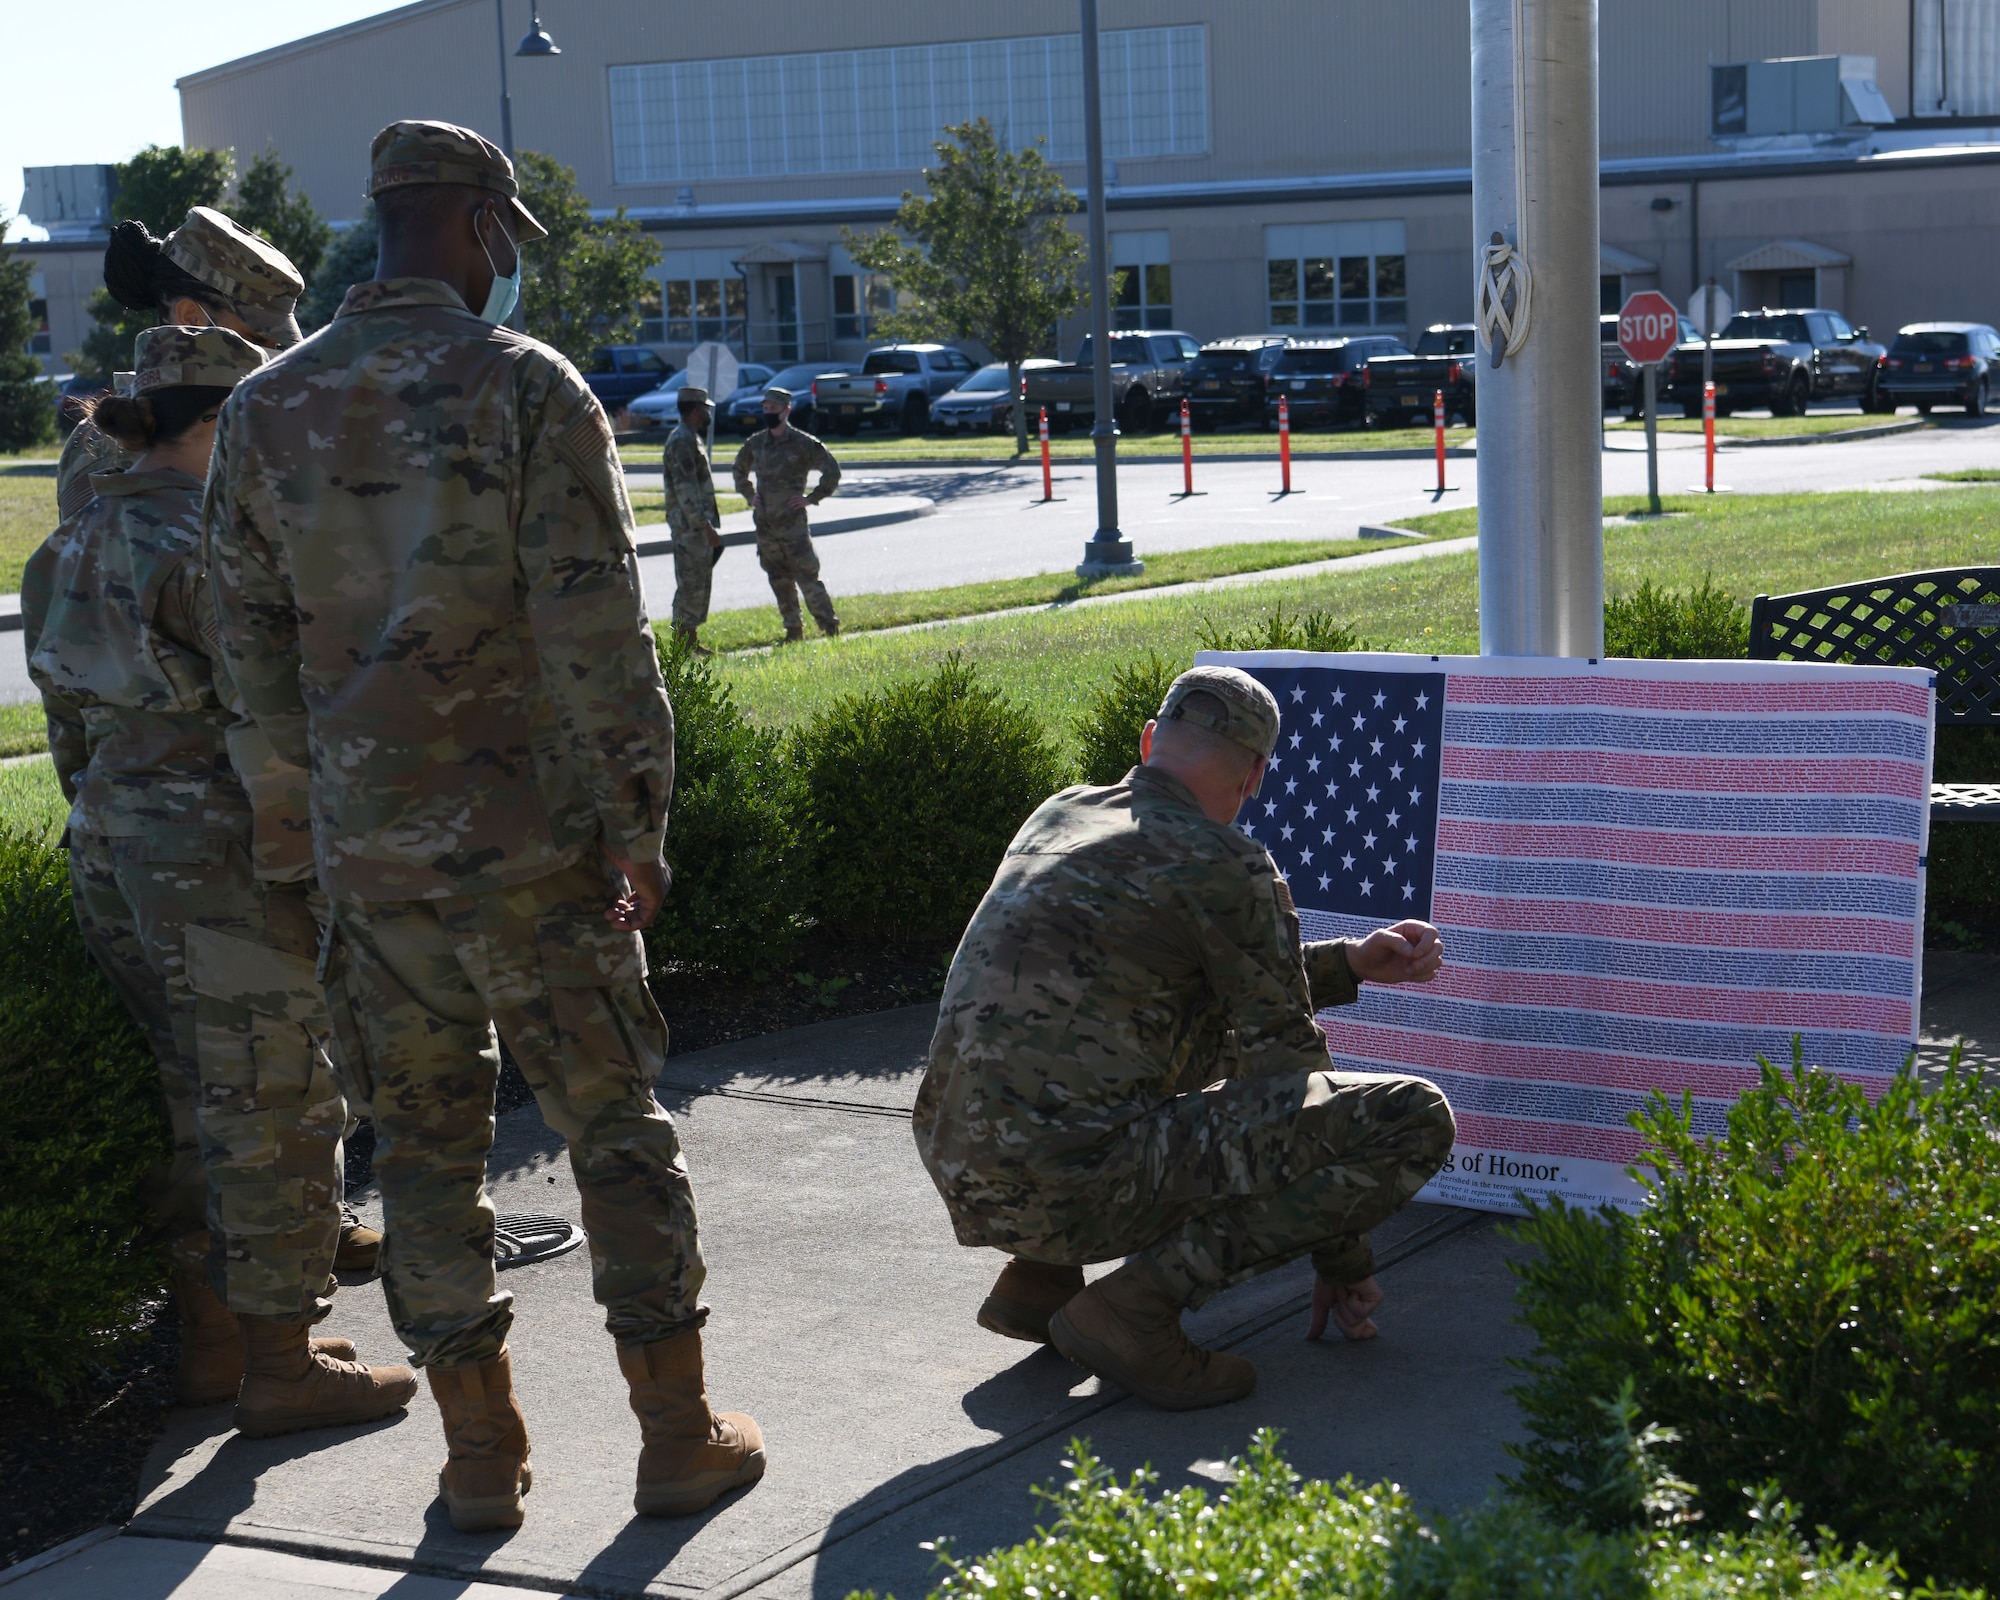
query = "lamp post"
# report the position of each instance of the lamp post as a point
(1107, 553)
(535, 43)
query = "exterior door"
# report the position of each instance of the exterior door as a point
(785, 297)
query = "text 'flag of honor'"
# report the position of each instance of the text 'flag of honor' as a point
(1647, 874)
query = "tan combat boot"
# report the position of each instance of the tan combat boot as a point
(1025, 1296)
(690, 1456)
(289, 1385)
(360, 1248)
(487, 1472)
(211, 1369)
(690, 641)
(1126, 1328)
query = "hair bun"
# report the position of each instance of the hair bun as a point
(131, 261)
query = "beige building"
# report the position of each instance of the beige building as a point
(1272, 164)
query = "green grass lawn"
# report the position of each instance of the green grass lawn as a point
(649, 506)
(1053, 659)
(991, 448)
(1968, 475)
(27, 517)
(23, 728)
(862, 613)
(29, 798)
(1767, 427)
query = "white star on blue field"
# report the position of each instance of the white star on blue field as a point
(1349, 806)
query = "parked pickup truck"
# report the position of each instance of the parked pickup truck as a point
(1148, 377)
(1781, 359)
(620, 373)
(895, 386)
(1401, 389)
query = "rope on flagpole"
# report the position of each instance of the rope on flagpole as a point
(1504, 286)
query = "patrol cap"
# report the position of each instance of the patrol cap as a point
(252, 274)
(442, 152)
(692, 395)
(782, 396)
(1248, 713)
(193, 358)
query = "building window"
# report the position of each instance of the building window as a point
(39, 343)
(1145, 280)
(1610, 294)
(881, 110)
(652, 321)
(702, 296)
(1348, 275)
(859, 298)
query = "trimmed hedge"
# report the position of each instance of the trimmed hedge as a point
(1107, 734)
(81, 1126)
(1706, 623)
(1810, 1303)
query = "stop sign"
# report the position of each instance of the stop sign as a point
(1648, 327)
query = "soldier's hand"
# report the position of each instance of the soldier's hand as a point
(714, 537)
(1351, 1305)
(797, 502)
(1409, 952)
(646, 886)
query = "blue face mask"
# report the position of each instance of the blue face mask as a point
(506, 291)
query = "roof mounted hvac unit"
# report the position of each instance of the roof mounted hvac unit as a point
(71, 202)
(1796, 100)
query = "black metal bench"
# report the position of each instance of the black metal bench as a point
(1947, 622)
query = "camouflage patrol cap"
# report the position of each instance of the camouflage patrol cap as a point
(782, 396)
(193, 358)
(1249, 711)
(691, 395)
(405, 153)
(253, 275)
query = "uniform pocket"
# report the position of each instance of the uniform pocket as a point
(587, 953)
(611, 1036)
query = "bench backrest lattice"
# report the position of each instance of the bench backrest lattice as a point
(1947, 621)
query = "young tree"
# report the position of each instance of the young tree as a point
(27, 405)
(158, 187)
(985, 255)
(349, 260)
(581, 285)
(267, 204)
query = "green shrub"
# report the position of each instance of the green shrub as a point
(1315, 630)
(1107, 734)
(1706, 623)
(1810, 1300)
(911, 796)
(1271, 1536)
(732, 835)
(81, 1125)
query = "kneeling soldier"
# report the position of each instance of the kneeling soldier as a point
(1126, 1064)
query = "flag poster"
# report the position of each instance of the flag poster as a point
(1646, 873)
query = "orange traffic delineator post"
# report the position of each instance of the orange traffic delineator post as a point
(1708, 485)
(1437, 418)
(1048, 481)
(1285, 444)
(1187, 450)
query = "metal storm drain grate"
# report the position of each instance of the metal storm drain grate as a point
(522, 1238)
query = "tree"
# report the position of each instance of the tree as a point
(350, 260)
(27, 407)
(985, 255)
(581, 285)
(158, 187)
(267, 204)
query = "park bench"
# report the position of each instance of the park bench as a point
(1947, 622)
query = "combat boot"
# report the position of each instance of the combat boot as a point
(360, 1248)
(689, 1456)
(211, 1369)
(1025, 1296)
(691, 641)
(1126, 1328)
(795, 635)
(486, 1472)
(289, 1385)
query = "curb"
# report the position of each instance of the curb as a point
(57, 1553)
(1881, 431)
(854, 524)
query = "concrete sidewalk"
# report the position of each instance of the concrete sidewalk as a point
(843, 1319)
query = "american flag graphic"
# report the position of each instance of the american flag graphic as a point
(1647, 874)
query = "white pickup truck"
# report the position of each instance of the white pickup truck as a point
(896, 385)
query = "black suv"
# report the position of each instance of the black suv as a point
(1940, 363)
(1320, 379)
(1227, 382)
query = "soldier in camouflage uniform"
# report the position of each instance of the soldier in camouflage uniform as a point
(691, 514)
(424, 571)
(781, 457)
(207, 272)
(1126, 1063)
(215, 962)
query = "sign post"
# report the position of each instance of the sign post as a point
(1648, 330)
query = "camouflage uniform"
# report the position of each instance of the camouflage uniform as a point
(87, 451)
(1126, 1059)
(422, 555)
(691, 513)
(781, 464)
(215, 964)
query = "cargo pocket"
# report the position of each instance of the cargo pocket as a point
(611, 1036)
(258, 1012)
